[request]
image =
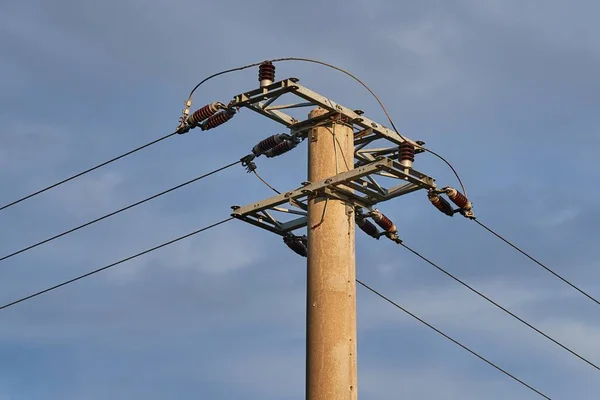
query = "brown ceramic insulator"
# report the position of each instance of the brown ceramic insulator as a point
(266, 72)
(218, 119)
(406, 152)
(459, 199)
(203, 113)
(441, 204)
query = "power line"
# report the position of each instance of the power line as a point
(113, 264)
(117, 211)
(537, 262)
(266, 183)
(86, 171)
(452, 340)
(221, 73)
(124, 154)
(500, 306)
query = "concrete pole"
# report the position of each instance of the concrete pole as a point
(331, 371)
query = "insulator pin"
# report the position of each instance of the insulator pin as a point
(268, 143)
(266, 73)
(459, 199)
(366, 226)
(406, 154)
(281, 148)
(384, 222)
(298, 244)
(217, 119)
(440, 203)
(203, 113)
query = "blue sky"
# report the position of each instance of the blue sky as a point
(507, 90)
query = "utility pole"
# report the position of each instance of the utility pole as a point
(331, 288)
(347, 177)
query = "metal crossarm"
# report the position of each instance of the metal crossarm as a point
(356, 186)
(261, 101)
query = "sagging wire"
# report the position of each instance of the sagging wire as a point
(87, 171)
(380, 104)
(265, 182)
(499, 306)
(183, 126)
(517, 248)
(208, 117)
(318, 224)
(187, 122)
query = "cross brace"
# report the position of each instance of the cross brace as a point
(261, 100)
(355, 186)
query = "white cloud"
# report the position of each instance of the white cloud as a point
(560, 217)
(225, 250)
(25, 147)
(583, 334)
(91, 193)
(221, 250)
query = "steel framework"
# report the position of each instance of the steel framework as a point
(359, 186)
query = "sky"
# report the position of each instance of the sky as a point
(507, 90)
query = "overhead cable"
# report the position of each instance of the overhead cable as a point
(80, 277)
(147, 199)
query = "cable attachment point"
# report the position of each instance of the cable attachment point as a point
(299, 244)
(200, 117)
(465, 206)
(183, 126)
(420, 149)
(248, 163)
(440, 203)
(365, 225)
(386, 224)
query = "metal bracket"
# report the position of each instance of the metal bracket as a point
(352, 186)
(366, 131)
(260, 100)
